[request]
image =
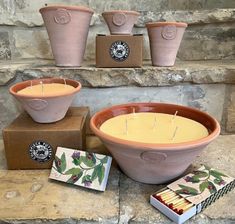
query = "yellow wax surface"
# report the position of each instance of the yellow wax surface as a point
(49, 89)
(154, 128)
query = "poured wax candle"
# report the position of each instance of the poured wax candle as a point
(154, 128)
(47, 89)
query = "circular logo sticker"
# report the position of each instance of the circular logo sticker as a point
(40, 151)
(119, 50)
(62, 16)
(119, 19)
(169, 32)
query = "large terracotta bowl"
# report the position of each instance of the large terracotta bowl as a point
(154, 163)
(46, 109)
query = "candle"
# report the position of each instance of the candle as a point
(46, 89)
(148, 127)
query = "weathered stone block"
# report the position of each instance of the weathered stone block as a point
(32, 44)
(5, 51)
(230, 113)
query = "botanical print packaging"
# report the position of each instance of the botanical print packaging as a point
(81, 168)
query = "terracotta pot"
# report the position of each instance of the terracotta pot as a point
(164, 40)
(67, 28)
(154, 163)
(46, 109)
(120, 22)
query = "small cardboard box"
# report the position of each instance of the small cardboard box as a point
(191, 194)
(119, 51)
(31, 145)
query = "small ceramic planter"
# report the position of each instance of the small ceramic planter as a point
(154, 163)
(164, 40)
(46, 109)
(120, 22)
(67, 28)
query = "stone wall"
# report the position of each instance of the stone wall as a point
(210, 34)
(203, 77)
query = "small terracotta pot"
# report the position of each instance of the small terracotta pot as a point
(120, 22)
(46, 109)
(154, 163)
(67, 28)
(164, 40)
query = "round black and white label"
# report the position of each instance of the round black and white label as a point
(119, 51)
(40, 151)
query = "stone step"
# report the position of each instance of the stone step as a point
(195, 72)
(28, 196)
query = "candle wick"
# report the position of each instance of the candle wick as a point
(42, 88)
(126, 125)
(174, 116)
(174, 134)
(65, 83)
(31, 84)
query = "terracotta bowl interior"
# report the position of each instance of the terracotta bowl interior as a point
(19, 86)
(209, 122)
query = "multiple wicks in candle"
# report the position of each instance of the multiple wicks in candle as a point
(148, 127)
(46, 89)
(174, 201)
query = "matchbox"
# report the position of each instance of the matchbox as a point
(191, 194)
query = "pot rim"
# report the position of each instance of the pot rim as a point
(47, 81)
(121, 11)
(69, 7)
(158, 24)
(156, 146)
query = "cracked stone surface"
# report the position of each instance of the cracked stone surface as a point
(124, 201)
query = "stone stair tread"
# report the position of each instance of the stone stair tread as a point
(197, 72)
(28, 196)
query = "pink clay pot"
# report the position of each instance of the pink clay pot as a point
(46, 109)
(154, 163)
(164, 40)
(120, 21)
(67, 28)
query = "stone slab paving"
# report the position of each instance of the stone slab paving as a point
(28, 196)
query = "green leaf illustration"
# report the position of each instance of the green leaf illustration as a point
(86, 178)
(217, 181)
(94, 174)
(200, 174)
(74, 178)
(203, 186)
(211, 187)
(77, 161)
(73, 171)
(60, 163)
(217, 174)
(89, 160)
(100, 173)
(187, 190)
(104, 160)
(195, 179)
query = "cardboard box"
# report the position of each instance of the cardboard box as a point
(119, 51)
(191, 194)
(31, 145)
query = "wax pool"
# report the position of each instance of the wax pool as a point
(154, 128)
(49, 89)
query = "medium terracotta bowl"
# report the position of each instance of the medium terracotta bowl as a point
(154, 163)
(46, 109)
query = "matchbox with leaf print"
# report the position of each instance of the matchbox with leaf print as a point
(191, 194)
